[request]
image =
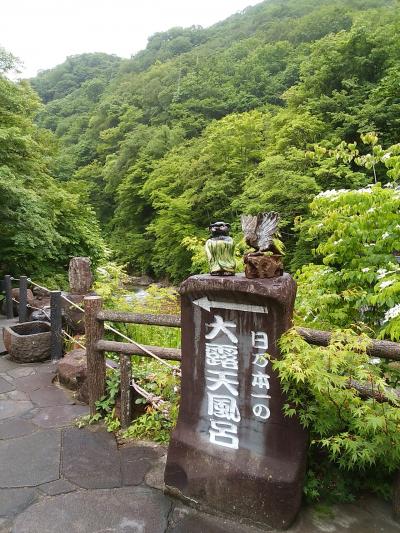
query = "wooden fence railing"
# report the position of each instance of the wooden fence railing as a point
(96, 346)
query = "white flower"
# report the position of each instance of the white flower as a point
(331, 193)
(371, 210)
(392, 313)
(374, 361)
(338, 242)
(367, 189)
(365, 269)
(385, 284)
(385, 235)
(382, 272)
(386, 156)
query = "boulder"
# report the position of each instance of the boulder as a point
(80, 275)
(41, 314)
(72, 373)
(29, 296)
(137, 281)
(15, 295)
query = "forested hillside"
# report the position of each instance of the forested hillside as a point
(43, 222)
(207, 123)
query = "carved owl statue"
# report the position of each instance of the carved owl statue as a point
(220, 250)
(261, 232)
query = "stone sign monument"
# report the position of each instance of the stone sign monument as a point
(233, 450)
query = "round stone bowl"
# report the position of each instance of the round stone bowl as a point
(28, 342)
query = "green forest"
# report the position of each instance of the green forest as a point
(291, 106)
(205, 124)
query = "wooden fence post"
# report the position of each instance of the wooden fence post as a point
(126, 375)
(96, 365)
(56, 325)
(9, 301)
(23, 299)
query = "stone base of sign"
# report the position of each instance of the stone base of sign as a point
(254, 469)
(264, 491)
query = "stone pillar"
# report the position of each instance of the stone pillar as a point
(80, 282)
(80, 275)
(233, 451)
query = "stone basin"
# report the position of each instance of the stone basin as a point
(28, 342)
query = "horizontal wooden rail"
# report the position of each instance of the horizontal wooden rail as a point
(383, 349)
(127, 348)
(377, 348)
(172, 321)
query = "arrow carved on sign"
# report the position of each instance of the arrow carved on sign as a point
(207, 304)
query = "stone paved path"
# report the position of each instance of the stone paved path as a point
(55, 477)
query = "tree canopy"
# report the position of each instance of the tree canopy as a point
(42, 223)
(209, 123)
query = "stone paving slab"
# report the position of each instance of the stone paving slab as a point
(10, 408)
(49, 396)
(135, 510)
(6, 363)
(59, 416)
(21, 371)
(59, 486)
(33, 382)
(16, 427)
(8, 378)
(90, 458)
(362, 517)
(136, 461)
(14, 501)
(31, 460)
(5, 386)
(16, 395)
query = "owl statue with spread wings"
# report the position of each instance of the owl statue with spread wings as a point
(261, 233)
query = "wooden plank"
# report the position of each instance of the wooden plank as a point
(127, 348)
(172, 321)
(95, 357)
